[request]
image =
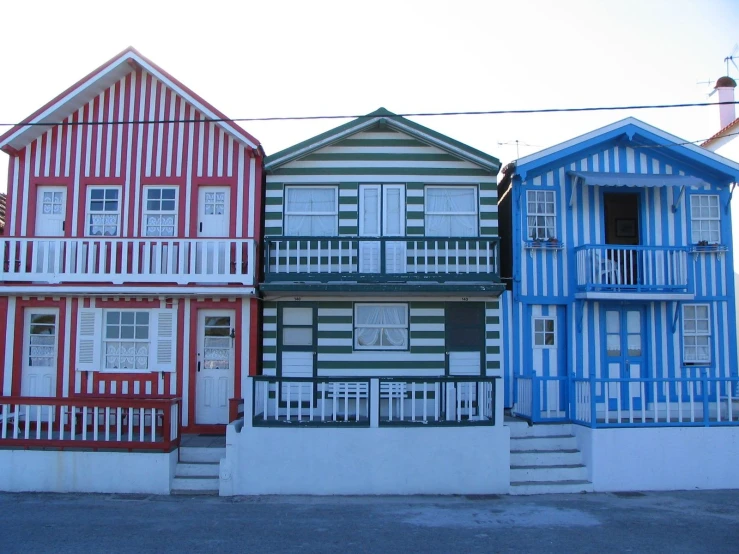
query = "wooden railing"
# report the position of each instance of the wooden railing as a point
(372, 402)
(541, 398)
(632, 268)
(124, 260)
(368, 258)
(90, 422)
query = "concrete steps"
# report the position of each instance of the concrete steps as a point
(197, 472)
(545, 459)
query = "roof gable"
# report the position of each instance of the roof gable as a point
(384, 121)
(105, 76)
(635, 133)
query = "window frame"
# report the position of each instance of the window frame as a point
(105, 340)
(89, 213)
(475, 212)
(696, 222)
(544, 333)
(536, 214)
(356, 327)
(146, 212)
(334, 213)
(313, 326)
(696, 334)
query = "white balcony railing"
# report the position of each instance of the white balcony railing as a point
(127, 260)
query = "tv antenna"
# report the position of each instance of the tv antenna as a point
(730, 58)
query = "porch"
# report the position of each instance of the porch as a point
(643, 270)
(698, 401)
(382, 259)
(128, 260)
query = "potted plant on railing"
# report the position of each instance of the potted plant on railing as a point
(705, 246)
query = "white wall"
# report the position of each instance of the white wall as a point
(324, 461)
(666, 458)
(105, 472)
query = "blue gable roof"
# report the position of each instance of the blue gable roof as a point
(635, 133)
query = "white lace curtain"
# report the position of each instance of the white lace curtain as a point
(451, 212)
(379, 326)
(310, 212)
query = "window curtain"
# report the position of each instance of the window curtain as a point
(371, 322)
(450, 212)
(310, 212)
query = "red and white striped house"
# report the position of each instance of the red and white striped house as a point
(128, 263)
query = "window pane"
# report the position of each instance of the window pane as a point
(297, 336)
(297, 316)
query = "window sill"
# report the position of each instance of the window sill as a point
(543, 245)
(698, 248)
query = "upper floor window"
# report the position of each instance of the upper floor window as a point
(705, 218)
(160, 211)
(451, 211)
(103, 211)
(311, 211)
(696, 334)
(544, 330)
(542, 219)
(381, 326)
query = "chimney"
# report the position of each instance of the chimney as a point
(727, 112)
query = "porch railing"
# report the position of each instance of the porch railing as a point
(373, 402)
(541, 398)
(656, 402)
(358, 258)
(124, 260)
(90, 423)
(632, 268)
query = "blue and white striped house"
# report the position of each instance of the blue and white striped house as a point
(621, 304)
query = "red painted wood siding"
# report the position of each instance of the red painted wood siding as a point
(134, 155)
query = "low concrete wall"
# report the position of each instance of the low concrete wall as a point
(666, 458)
(73, 471)
(323, 461)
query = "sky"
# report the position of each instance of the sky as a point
(283, 58)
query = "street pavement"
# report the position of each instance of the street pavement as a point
(692, 521)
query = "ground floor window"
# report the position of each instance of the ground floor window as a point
(381, 326)
(126, 340)
(696, 334)
(544, 329)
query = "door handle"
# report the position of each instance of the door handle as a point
(198, 367)
(201, 226)
(63, 226)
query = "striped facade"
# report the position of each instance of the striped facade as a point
(547, 282)
(187, 154)
(386, 151)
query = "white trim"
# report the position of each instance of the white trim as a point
(67, 346)
(187, 335)
(105, 292)
(642, 297)
(239, 193)
(9, 346)
(252, 195)
(26, 192)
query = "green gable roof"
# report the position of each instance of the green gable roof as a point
(379, 118)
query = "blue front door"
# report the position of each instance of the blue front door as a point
(624, 357)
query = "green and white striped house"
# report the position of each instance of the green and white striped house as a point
(381, 255)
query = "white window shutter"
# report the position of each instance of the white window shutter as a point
(163, 332)
(89, 339)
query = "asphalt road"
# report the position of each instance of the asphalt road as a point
(698, 521)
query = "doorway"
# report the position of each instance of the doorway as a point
(215, 366)
(624, 356)
(621, 214)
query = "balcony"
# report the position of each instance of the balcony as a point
(614, 271)
(422, 261)
(133, 261)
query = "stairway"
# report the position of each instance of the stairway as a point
(545, 459)
(197, 471)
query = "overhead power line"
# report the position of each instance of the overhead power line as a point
(369, 116)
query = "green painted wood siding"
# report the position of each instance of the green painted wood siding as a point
(335, 340)
(387, 157)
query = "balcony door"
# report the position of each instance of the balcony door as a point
(621, 214)
(51, 207)
(382, 214)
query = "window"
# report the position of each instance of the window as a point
(160, 212)
(297, 327)
(705, 218)
(103, 211)
(126, 344)
(696, 334)
(542, 220)
(451, 212)
(311, 211)
(544, 332)
(381, 326)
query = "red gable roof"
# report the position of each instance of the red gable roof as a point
(97, 81)
(733, 126)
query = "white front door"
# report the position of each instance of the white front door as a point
(215, 366)
(38, 375)
(213, 211)
(382, 214)
(51, 207)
